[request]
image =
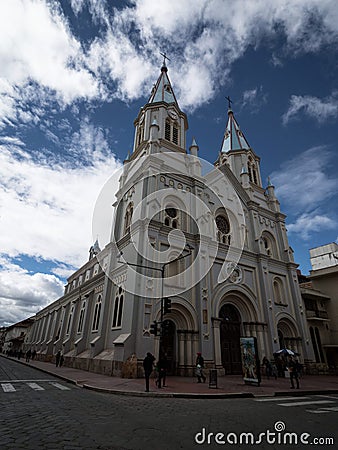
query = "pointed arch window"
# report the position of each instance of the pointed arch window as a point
(252, 169)
(172, 131)
(97, 314)
(118, 308)
(167, 130)
(269, 246)
(70, 320)
(278, 291)
(171, 218)
(81, 318)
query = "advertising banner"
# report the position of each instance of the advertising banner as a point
(250, 361)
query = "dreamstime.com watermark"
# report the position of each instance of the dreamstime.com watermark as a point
(277, 436)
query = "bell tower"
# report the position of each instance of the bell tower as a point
(160, 120)
(238, 155)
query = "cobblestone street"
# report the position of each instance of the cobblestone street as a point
(72, 418)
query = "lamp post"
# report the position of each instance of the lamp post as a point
(162, 270)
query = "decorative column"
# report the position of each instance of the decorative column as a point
(216, 322)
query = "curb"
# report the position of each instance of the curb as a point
(169, 395)
(229, 395)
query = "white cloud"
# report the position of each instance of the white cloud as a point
(307, 224)
(311, 185)
(36, 45)
(203, 38)
(318, 109)
(22, 294)
(253, 99)
(45, 211)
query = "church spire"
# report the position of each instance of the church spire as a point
(162, 90)
(160, 123)
(233, 138)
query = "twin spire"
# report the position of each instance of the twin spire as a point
(233, 138)
(162, 90)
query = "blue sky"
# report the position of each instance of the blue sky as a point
(73, 75)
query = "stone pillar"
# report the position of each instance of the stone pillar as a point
(217, 342)
(181, 352)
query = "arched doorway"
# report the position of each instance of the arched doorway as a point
(230, 332)
(169, 345)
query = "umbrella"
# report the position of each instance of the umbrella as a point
(286, 352)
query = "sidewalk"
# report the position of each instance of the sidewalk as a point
(228, 386)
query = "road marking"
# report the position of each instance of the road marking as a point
(327, 396)
(60, 386)
(23, 381)
(315, 402)
(323, 410)
(35, 386)
(8, 387)
(278, 399)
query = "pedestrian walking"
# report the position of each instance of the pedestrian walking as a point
(61, 359)
(162, 371)
(148, 363)
(294, 375)
(28, 355)
(57, 358)
(199, 368)
(268, 368)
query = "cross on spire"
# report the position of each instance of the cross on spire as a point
(164, 57)
(229, 101)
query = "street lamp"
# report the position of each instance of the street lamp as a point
(163, 300)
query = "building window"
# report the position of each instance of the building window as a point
(171, 131)
(175, 134)
(269, 245)
(81, 318)
(174, 268)
(97, 314)
(96, 269)
(171, 217)
(278, 291)
(70, 319)
(223, 229)
(167, 130)
(87, 275)
(314, 344)
(118, 308)
(252, 169)
(128, 217)
(140, 135)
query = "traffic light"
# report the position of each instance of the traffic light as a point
(165, 328)
(167, 305)
(153, 328)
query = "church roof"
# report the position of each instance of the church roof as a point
(162, 90)
(233, 138)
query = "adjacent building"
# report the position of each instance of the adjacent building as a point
(320, 295)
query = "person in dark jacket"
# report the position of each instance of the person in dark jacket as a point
(199, 368)
(148, 363)
(162, 370)
(293, 368)
(57, 358)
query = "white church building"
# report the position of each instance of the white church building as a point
(208, 237)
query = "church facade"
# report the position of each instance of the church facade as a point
(201, 249)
